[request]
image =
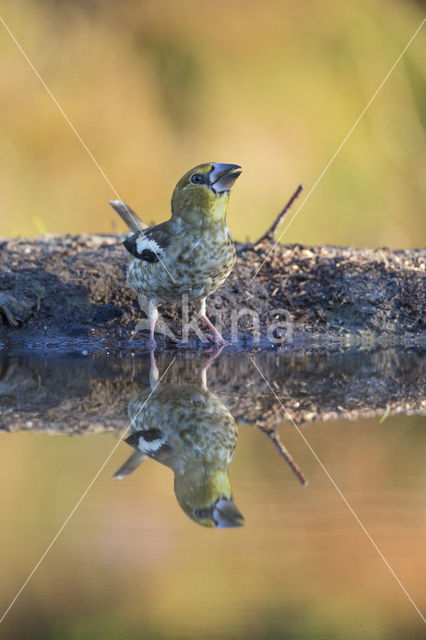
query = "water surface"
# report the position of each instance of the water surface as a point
(135, 561)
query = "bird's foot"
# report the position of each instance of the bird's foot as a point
(217, 339)
(141, 325)
(215, 336)
(214, 353)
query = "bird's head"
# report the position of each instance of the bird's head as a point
(207, 499)
(201, 196)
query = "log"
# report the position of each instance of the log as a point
(67, 293)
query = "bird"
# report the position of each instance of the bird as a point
(190, 254)
(188, 429)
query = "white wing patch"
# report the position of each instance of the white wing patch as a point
(150, 447)
(143, 243)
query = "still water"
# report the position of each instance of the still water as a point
(213, 507)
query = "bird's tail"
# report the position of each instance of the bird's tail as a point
(127, 214)
(130, 465)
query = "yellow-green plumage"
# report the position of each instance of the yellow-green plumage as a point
(192, 253)
(188, 429)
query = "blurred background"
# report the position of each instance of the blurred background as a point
(156, 87)
(130, 564)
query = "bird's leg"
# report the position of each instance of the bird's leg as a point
(153, 371)
(153, 317)
(153, 322)
(215, 335)
(152, 313)
(208, 364)
(143, 303)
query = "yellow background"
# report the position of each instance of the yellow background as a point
(156, 87)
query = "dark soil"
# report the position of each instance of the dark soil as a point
(70, 292)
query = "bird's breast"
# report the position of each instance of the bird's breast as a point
(195, 264)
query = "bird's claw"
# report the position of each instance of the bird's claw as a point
(216, 339)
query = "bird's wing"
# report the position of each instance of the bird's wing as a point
(152, 442)
(149, 244)
(128, 216)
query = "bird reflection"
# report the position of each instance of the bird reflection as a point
(188, 429)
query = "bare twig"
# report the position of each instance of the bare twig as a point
(273, 436)
(269, 235)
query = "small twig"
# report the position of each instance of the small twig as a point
(273, 436)
(269, 235)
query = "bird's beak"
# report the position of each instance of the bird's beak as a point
(223, 176)
(226, 514)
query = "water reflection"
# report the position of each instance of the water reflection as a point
(76, 394)
(188, 429)
(188, 422)
(301, 567)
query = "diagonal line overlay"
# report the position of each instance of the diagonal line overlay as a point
(333, 482)
(80, 500)
(342, 144)
(77, 135)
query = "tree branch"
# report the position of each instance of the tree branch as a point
(269, 235)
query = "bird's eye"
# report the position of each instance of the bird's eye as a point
(202, 513)
(197, 178)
